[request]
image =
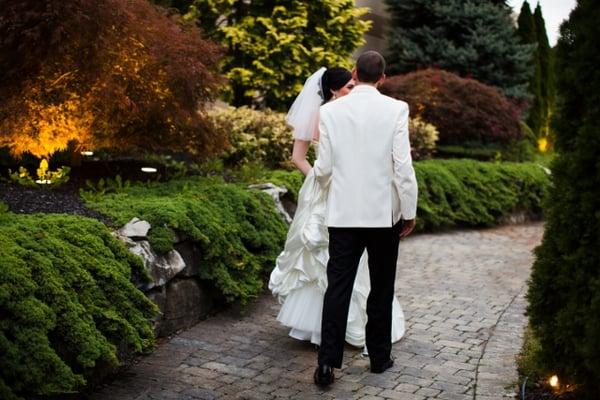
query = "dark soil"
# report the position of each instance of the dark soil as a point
(26, 200)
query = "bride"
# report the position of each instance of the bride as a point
(299, 279)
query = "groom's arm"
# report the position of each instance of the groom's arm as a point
(404, 174)
(323, 165)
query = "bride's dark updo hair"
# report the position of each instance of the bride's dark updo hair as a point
(334, 79)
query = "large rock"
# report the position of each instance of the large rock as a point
(186, 303)
(276, 192)
(161, 268)
(136, 228)
(191, 256)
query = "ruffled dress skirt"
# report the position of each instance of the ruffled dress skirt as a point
(299, 279)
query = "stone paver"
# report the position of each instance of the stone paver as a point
(463, 297)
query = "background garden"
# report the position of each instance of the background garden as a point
(168, 111)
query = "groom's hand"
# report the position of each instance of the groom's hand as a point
(407, 227)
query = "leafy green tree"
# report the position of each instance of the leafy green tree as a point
(273, 46)
(471, 39)
(564, 292)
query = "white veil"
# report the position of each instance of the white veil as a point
(303, 115)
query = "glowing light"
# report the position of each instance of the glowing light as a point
(87, 153)
(43, 181)
(553, 381)
(149, 170)
(542, 145)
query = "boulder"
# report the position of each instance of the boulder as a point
(161, 268)
(136, 228)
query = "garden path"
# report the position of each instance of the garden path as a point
(463, 298)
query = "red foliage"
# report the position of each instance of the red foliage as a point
(463, 110)
(103, 73)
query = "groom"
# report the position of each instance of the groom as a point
(364, 157)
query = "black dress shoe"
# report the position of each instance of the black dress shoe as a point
(379, 368)
(323, 375)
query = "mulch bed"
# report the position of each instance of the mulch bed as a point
(64, 200)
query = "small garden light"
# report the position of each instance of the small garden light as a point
(87, 153)
(149, 170)
(43, 181)
(553, 381)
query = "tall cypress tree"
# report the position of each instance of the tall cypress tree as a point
(472, 39)
(564, 292)
(528, 32)
(545, 61)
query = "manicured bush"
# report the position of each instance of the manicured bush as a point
(69, 308)
(468, 193)
(254, 136)
(564, 291)
(471, 193)
(237, 230)
(463, 110)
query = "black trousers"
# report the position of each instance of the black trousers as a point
(346, 246)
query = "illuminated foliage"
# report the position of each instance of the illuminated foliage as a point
(91, 74)
(273, 46)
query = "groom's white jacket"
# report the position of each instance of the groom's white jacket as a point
(364, 158)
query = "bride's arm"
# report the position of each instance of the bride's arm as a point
(299, 155)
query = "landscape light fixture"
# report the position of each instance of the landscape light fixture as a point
(149, 170)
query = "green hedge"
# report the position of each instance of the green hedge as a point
(237, 229)
(68, 305)
(473, 193)
(464, 192)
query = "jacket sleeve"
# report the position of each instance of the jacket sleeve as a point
(323, 165)
(404, 173)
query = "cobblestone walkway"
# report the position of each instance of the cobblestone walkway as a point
(463, 298)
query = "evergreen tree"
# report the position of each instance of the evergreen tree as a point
(471, 39)
(564, 292)
(274, 45)
(528, 33)
(546, 64)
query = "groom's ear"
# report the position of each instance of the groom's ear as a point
(381, 80)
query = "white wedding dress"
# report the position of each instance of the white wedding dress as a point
(299, 279)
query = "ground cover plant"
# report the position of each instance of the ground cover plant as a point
(70, 310)
(237, 229)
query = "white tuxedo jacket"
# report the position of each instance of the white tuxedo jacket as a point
(364, 158)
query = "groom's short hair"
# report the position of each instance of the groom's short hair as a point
(370, 66)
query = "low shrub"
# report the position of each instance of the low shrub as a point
(468, 192)
(237, 229)
(463, 110)
(69, 308)
(254, 136)
(516, 151)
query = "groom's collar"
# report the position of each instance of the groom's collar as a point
(364, 88)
